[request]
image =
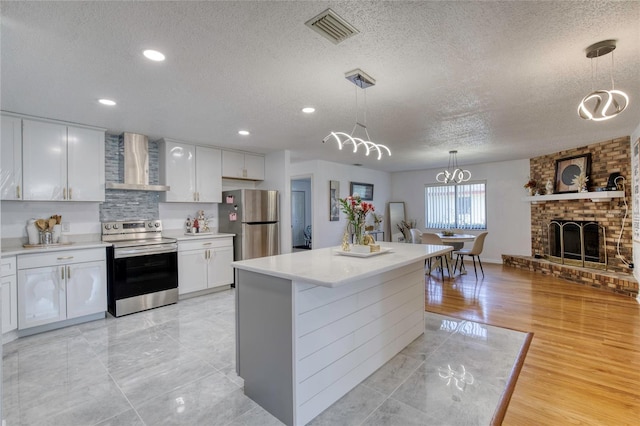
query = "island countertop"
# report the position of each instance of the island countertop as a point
(325, 267)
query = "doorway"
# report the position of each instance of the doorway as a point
(301, 214)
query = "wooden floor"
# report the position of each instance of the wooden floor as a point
(583, 366)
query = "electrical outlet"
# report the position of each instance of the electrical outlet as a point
(66, 227)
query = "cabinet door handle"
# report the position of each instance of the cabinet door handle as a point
(65, 258)
(70, 193)
(68, 272)
(198, 196)
(64, 193)
(62, 273)
(18, 191)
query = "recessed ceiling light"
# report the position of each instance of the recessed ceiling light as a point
(154, 55)
(308, 110)
(243, 132)
(108, 102)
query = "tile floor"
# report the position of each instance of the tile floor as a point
(175, 366)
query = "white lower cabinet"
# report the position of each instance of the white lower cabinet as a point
(204, 264)
(9, 294)
(58, 286)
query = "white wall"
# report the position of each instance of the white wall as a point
(324, 232)
(508, 217)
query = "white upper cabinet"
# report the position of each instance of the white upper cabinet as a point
(62, 163)
(242, 165)
(178, 170)
(11, 156)
(85, 164)
(208, 174)
(192, 172)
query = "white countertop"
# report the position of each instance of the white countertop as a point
(326, 268)
(180, 235)
(18, 250)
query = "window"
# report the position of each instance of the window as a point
(461, 206)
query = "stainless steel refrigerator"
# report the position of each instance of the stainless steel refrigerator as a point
(252, 215)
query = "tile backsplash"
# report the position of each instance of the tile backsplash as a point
(121, 204)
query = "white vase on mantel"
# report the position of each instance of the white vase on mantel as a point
(549, 187)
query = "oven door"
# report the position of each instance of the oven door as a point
(136, 276)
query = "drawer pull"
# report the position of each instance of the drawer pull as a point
(206, 244)
(65, 258)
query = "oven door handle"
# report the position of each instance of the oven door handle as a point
(140, 251)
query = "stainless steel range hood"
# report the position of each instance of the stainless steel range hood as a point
(136, 165)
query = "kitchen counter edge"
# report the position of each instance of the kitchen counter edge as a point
(180, 235)
(332, 270)
(18, 251)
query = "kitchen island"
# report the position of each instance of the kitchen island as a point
(312, 325)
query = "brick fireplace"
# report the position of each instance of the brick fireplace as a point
(607, 157)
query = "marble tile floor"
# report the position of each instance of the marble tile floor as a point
(175, 365)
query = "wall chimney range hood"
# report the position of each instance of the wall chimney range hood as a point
(136, 165)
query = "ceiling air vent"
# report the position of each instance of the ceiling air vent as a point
(331, 26)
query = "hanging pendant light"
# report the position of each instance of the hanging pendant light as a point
(453, 173)
(600, 105)
(361, 80)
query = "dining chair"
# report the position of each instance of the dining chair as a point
(429, 238)
(475, 251)
(416, 236)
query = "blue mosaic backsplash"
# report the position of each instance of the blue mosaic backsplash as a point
(121, 204)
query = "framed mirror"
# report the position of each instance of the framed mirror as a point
(395, 214)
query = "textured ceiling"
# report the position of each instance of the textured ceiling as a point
(494, 80)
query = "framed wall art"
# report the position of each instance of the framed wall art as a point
(566, 171)
(334, 195)
(364, 190)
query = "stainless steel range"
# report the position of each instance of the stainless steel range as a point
(142, 266)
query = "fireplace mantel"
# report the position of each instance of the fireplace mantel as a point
(595, 196)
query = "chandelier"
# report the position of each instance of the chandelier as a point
(600, 105)
(361, 80)
(453, 173)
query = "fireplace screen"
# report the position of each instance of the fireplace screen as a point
(578, 243)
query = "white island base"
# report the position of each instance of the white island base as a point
(313, 325)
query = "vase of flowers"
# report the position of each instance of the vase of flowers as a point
(531, 186)
(581, 182)
(356, 211)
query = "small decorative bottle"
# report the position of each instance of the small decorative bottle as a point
(345, 241)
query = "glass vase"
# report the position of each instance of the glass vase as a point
(358, 233)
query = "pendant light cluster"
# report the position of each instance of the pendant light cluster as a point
(602, 104)
(361, 80)
(453, 173)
